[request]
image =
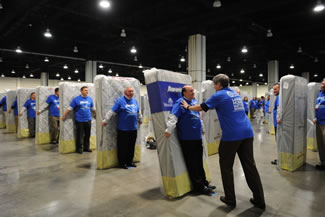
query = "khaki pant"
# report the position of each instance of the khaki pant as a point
(54, 128)
(320, 135)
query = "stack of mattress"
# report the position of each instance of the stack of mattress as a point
(267, 115)
(271, 108)
(164, 88)
(68, 91)
(11, 123)
(291, 135)
(108, 90)
(2, 114)
(211, 120)
(313, 90)
(42, 130)
(23, 94)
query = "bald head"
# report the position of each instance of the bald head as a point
(129, 92)
(188, 92)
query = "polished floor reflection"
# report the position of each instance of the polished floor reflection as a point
(35, 180)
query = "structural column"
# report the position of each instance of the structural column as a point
(254, 89)
(44, 79)
(272, 73)
(305, 75)
(197, 61)
(91, 71)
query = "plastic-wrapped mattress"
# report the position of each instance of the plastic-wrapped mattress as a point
(164, 88)
(146, 110)
(42, 130)
(211, 120)
(68, 91)
(313, 90)
(271, 108)
(23, 94)
(291, 135)
(108, 90)
(2, 114)
(10, 121)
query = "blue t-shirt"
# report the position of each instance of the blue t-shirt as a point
(261, 104)
(15, 107)
(127, 111)
(267, 106)
(233, 119)
(3, 103)
(275, 111)
(252, 103)
(320, 111)
(30, 106)
(82, 108)
(189, 125)
(54, 102)
(245, 105)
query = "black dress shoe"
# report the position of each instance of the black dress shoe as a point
(228, 202)
(274, 162)
(87, 150)
(205, 191)
(256, 204)
(132, 165)
(211, 187)
(124, 166)
(79, 151)
(320, 167)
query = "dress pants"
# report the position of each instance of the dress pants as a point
(227, 153)
(54, 128)
(31, 126)
(193, 156)
(83, 135)
(125, 146)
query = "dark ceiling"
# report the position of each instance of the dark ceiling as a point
(160, 30)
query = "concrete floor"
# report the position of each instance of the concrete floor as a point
(35, 180)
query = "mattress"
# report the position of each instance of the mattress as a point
(271, 108)
(164, 88)
(10, 121)
(313, 91)
(23, 94)
(291, 135)
(68, 91)
(108, 90)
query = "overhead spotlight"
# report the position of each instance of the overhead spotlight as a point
(31, 75)
(24, 76)
(75, 49)
(123, 33)
(62, 79)
(48, 33)
(228, 59)
(65, 66)
(209, 70)
(101, 66)
(1, 6)
(257, 85)
(18, 50)
(244, 49)
(182, 59)
(217, 4)
(140, 66)
(247, 83)
(218, 66)
(269, 33)
(1, 60)
(69, 78)
(104, 4)
(265, 83)
(46, 59)
(292, 66)
(2, 75)
(240, 80)
(250, 77)
(315, 75)
(316, 60)
(116, 74)
(76, 71)
(13, 72)
(240, 85)
(26, 66)
(110, 71)
(319, 6)
(133, 50)
(242, 71)
(78, 79)
(261, 75)
(57, 75)
(299, 50)
(254, 66)
(232, 74)
(179, 65)
(263, 79)
(135, 58)
(233, 82)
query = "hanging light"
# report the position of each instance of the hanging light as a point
(254, 66)
(31, 75)
(75, 49)
(217, 4)
(179, 65)
(135, 58)
(18, 50)
(140, 66)
(116, 74)
(13, 72)
(232, 74)
(242, 71)
(244, 49)
(240, 85)
(233, 82)
(1, 6)
(47, 33)
(218, 66)
(2, 75)
(46, 59)
(265, 83)
(269, 33)
(69, 78)
(123, 33)
(209, 70)
(292, 66)
(182, 59)
(250, 77)
(257, 85)
(228, 59)
(299, 50)
(261, 75)
(1, 60)
(133, 50)
(104, 4)
(76, 71)
(26, 66)
(101, 66)
(315, 75)
(247, 83)
(316, 60)
(24, 76)
(57, 75)
(319, 6)
(110, 71)
(62, 79)
(240, 80)
(65, 66)
(78, 79)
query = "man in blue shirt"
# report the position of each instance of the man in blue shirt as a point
(14, 106)
(83, 106)
(276, 91)
(189, 128)
(3, 104)
(53, 102)
(30, 106)
(127, 110)
(320, 126)
(252, 106)
(237, 137)
(245, 102)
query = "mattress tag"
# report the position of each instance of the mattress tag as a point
(285, 85)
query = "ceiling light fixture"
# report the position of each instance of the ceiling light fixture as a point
(1, 6)
(101, 66)
(65, 66)
(48, 33)
(250, 77)
(269, 33)
(233, 82)
(240, 85)
(179, 65)
(247, 83)
(31, 75)
(24, 76)
(13, 72)
(242, 71)
(218, 66)
(135, 58)
(254, 66)
(104, 4)
(26, 66)
(140, 66)
(182, 59)
(2, 75)
(116, 74)
(46, 59)
(133, 50)
(62, 79)
(78, 79)
(292, 66)
(232, 74)
(69, 78)
(57, 75)
(76, 71)
(244, 49)
(123, 33)
(228, 59)
(217, 4)
(265, 83)
(319, 6)
(240, 79)
(261, 75)
(315, 75)
(316, 60)
(110, 71)
(1, 60)
(75, 49)
(18, 50)
(299, 50)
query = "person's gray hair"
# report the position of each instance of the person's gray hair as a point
(222, 79)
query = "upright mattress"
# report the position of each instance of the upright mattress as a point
(211, 120)
(10, 121)
(68, 91)
(108, 90)
(164, 88)
(313, 90)
(2, 114)
(271, 108)
(23, 94)
(291, 135)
